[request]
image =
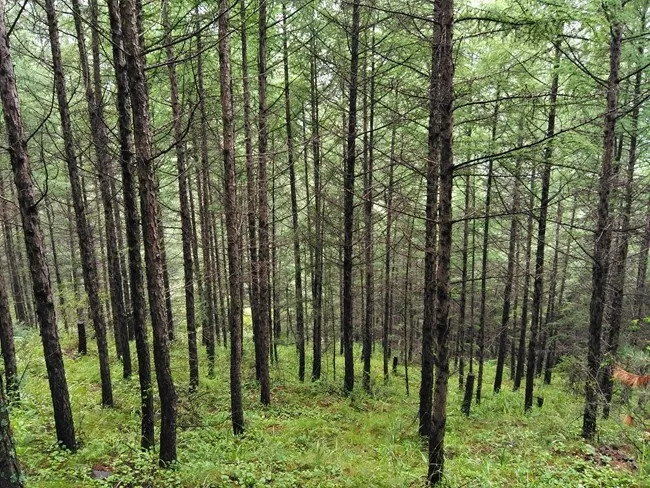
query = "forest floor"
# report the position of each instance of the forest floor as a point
(312, 435)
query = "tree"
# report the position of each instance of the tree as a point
(139, 96)
(602, 235)
(88, 260)
(538, 283)
(444, 98)
(186, 222)
(35, 245)
(263, 214)
(348, 199)
(132, 228)
(230, 203)
(300, 315)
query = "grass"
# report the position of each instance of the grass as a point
(312, 435)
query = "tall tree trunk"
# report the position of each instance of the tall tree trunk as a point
(251, 194)
(538, 281)
(132, 229)
(462, 314)
(203, 186)
(263, 212)
(232, 221)
(620, 256)
(317, 290)
(100, 140)
(151, 230)
(388, 293)
(484, 259)
(443, 56)
(88, 261)
(186, 221)
(430, 273)
(602, 236)
(368, 163)
(36, 254)
(549, 321)
(507, 292)
(300, 315)
(348, 200)
(521, 348)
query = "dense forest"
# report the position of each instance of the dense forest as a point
(321, 243)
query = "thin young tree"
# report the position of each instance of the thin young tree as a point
(186, 221)
(507, 292)
(538, 280)
(297, 264)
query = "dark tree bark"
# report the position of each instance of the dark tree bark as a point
(317, 289)
(186, 221)
(484, 259)
(538, 281)
(368, 163)
(263, 213)
(602, 236)
(34, 243)
(388, 291)
(640, 298)
(430, 273)
(20, 307)
(127, 163)
(169, 317)
(7, 344)
(88, 261)
(549, 321)
(348, 201)
(463, 287)
(507, 292)
(251, 193)
(617, 282)
(203, 186)
(232, 224)
(408, 307)
(551, 354)
(444, 65)
(150, 228)
(10, 474)
(300, 314)
(521, 348)
(49, 211)
(93, 92)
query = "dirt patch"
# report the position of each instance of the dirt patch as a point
(100, 472)
(616, 457)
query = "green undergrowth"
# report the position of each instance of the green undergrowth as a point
(313, 435)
